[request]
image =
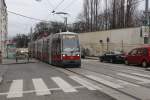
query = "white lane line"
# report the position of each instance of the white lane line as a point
(33, 91)
(101, 80)
(16, 89)
(117, 81)
(66, 87)
(85, 83)
(124, 83)
(143, 75)
(143, 80)
(40, 87)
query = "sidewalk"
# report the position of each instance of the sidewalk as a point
(2, 72)
(3, 69)
(8, 62)
(13, 61)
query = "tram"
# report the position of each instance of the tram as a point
(60, 49)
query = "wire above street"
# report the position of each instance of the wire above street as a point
(57, 6)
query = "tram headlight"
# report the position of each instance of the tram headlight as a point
(63, 55)
(78, 55)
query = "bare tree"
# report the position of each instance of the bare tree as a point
(115, 14)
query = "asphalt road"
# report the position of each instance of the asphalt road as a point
(132, 81)
(40, 81)
(93, 81)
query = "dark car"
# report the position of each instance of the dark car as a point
(112, 57)
(139, 56)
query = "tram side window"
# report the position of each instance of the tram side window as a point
(58, 46)
(54, 46)
(47, 45)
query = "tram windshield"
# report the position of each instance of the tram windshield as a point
(70, 43)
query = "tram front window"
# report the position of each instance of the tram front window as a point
(70, 43)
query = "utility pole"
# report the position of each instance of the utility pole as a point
(146, 21)
(146, 5)
(66, 19)
(146, 11)
(66, 23)
(31, 34)
(106, 15)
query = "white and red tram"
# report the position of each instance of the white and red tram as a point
(61, 49)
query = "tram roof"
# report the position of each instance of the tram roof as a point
(66, 33)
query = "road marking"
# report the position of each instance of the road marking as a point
(16, 89)
(101, 80)
(117, 81)
(143, 80)
(143, 75)
(33, 91)
(124, 83)
(85, 83)
(40, 87)
(66, 87)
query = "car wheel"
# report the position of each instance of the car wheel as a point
(144, 64)
(126, 62)
(101, 60)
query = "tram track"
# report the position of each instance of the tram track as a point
(114, 70)
(66, 70)
(98, 72)
(133, 68)
(136, 98)
(131, 96)
(113, 76)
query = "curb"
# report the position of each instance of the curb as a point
(91, 58)
(17, 63)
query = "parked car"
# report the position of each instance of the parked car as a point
(21, 54)
(112, 57)
(139, 56)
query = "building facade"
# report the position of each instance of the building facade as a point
(96, 43)
(3, 27)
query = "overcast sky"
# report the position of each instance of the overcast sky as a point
(41, 10)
